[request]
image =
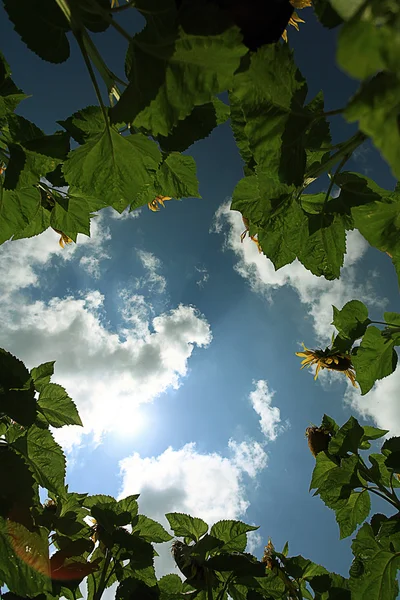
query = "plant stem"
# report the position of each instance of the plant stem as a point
(332, 181)
(331, 113)
(384, 323)
(383, 496)
(348, 147)
(102, 583)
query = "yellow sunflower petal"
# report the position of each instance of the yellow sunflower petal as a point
(319, 366)
(299, 4)
(284, 36)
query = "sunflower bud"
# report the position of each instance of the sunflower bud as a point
(318, 439)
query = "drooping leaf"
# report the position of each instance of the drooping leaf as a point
(186, 526)
(56, 406)
(233, 534)
(374, 359)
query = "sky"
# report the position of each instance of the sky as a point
(177, 341)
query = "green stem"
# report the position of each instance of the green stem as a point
(333, 179)
(347, 149)
(384, 323)
(107, 75)
(331, 113)
(383, 496)
(102, 584)
(380, 490)
(225, 587)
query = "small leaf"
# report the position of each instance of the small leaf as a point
(355, 511)
(17, 394)
(347, 439)
(186, 526)
(150, 530)
(41, 375)
(56, 406)
(177, 178)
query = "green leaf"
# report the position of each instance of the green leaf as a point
(302, 568)
(188, 66)
(41, 375)
(326, 14)
(17, 209)
(72, 213)
(186, 526)
(318, 136)
(360, 47)
(44, 456)
(170, 587)
(128, 504)
(347, 439)
(323, 466)
(84, 124)
(10, 95)
(271, 93)
(42, 26)
(17, 394)
(238, 564)
(233, 534)
(330, 424)
(346, 8)
(110, 166)
(352, 321)
(198, 125)
(56, 406)
(150, 530)
(376, 106)
(21, 577)
(17, 497)
(133, 588)
(335, 490)
(176, 176)
(374, 359)
(269, 586)
(379, 471)
(354, 512)
(379, 579)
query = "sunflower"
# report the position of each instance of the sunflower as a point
(252, 237)
(318, 439)
(328, 359)
(154, 204)
(64, 239)
(295, 19)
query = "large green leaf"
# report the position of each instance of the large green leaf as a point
(170, 587)
(10, 95)
(17, 497)
(352, 320)
(353, 513)
(380, 566)
(326, 14)
(197, 126)
(186, 526)
(17, 394)
(57, 407)
(318, 137)
(44, 456)
(271, 93)
(84, 123)
(41, 375)
(323, 466)
(233, 534)
(176, 176)
(374, 359)
(42, 26)
(110, 166)
(347, 439)
(17, 209)
(189, 63)
(376, 106)
(72, 212)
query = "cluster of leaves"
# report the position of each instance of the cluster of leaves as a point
(374, 357)
(185, 56)
(48, 549)
(344, 482)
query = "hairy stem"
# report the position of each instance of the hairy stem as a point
(333, 179)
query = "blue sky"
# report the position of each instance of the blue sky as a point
(177, 341)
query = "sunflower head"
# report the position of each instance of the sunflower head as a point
(269, 558)
(328, 359)
(295, 19)
(318, 439)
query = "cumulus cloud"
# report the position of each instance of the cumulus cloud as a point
(97, 365)
(381, 404)
(113, 214)
(316, 293)
(205, 485)
(270, 416)
(152, 280)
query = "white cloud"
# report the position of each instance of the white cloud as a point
(316, 293)
(270, 416)
(97, 366)
(153, 280)
(204, 276)
(113, 214)
(205, 485)
(380, 404)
